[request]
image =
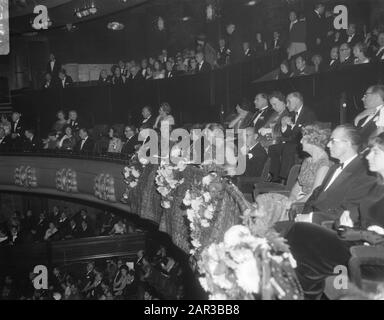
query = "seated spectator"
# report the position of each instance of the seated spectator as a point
(122, 281)
(60, 123)
(94, 291)
(40, 228)
(260, 45)
(86, 144)
(73, 230)
(117, 77)
(131, 142)
(345, 185)
(111, 270)
(51, 232)
(5, 143)
(115, 143)
(192, 66)
(85, 231)
(169, 71)
(89, 276)
(67, 141)
(202, 65)
(148, 73)
(360, 53)
(158, 71)
(5, 124)
(223, 53)
(379, 54)
(119, 228)
(276, 43)
(351, 36)
(334, 61)
(30, 143)
(164, 119)
(284, 72)
(317, 61)
(65, 81)
(51, 142)
(244, 116)
(345, 55)
(331, 249)
(301, 67)
(104, 79)
(148, 119)
(73, 121)
(64, 225)
(107, 222)
(48, 81)
(4, 239)
(247, 50)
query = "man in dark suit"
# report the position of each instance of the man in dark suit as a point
(373, 100)
(5, 143)
(169, 72)
(276, 42)
(129, 146)
(351, 37)
(223, 54)
(346, 183)
(316, 28)
(256, 156)
(30, 143)
(65, 81)
(247, 50)
(86, 144)
(53, 66)
(334, 61)
(234, 44)
(263, 111)
(135, 73)
(49, 82)
(17, 130)
(379, 55)
(202, 65)
(301, 68)
(73, 121)
(291, 126)
(345, 55)
(148, 119)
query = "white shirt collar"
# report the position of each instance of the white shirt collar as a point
(347, 162)
(298, 112)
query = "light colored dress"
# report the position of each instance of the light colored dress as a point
(115, 145)
(276, 206)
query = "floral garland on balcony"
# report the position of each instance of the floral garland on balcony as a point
(104, 187)
(25, 176)
(201, 202)
(132, 174)
(66, 180)
(168, 178)
(252, 262)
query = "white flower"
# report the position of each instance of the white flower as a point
(250, 156)
(163, 191)
(208, 214)
(248, 277)
(218, 296)
(190, 214)
(207, 180)
(187, 198)
(135, 173)
(206, 196)
(235, 235)
(241, 255)
(133, 184)
(222, 281)
(166, 204)
(196, 203)
(211, 208)
(204, 223)
(204, 283)
(143, 161)
(196, 243)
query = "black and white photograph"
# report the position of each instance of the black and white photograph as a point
(189, 151)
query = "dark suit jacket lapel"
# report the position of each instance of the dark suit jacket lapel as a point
(340, 180)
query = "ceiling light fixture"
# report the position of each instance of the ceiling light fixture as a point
(88, 8)
(115, 26)
(251, 3)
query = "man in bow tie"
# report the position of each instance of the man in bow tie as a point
(345, 185)
(263, 111)
(30, 143)
(73, 121)
(148, 119)
(4, 141)
(366, 121)
(86, 144)
(379, 56)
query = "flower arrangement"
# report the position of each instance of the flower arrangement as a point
(247, 267)
(105, 187)
(168, 178)
(25, 176)
(66, 180)
(201, 202)
(132, 174)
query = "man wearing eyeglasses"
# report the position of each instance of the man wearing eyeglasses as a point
(346, 184)
(368, 121)
(345, 55)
